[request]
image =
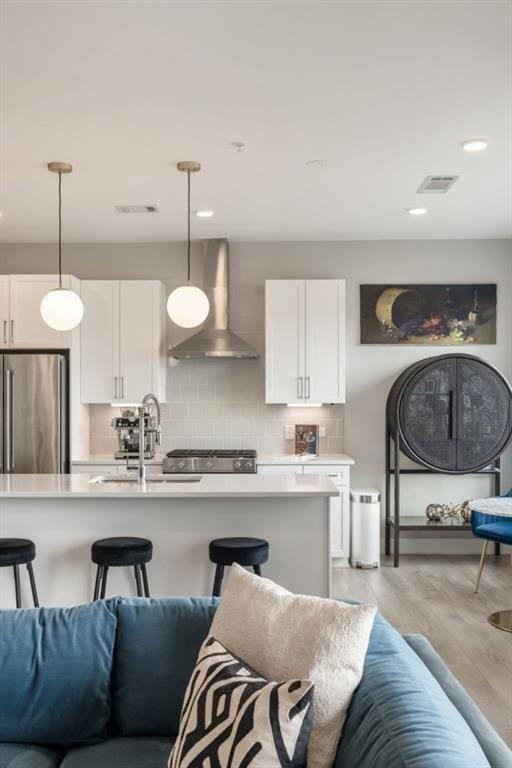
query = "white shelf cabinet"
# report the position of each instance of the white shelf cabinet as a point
(123, 355)
(339, 506)
(305, 341)
(21, 324)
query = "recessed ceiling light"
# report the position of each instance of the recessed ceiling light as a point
(416, 211)
(474, 145)
(316, 163)
(205, 214)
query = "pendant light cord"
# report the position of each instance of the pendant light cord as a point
(60, 229)
(188, 228)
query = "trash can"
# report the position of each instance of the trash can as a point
(365, 528)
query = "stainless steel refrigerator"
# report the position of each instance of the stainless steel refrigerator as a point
(34, 395)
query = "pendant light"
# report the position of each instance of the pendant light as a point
(61, 308)
(188, 305)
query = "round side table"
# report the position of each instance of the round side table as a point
(491, 520)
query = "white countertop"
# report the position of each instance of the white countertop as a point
(210, 486)
(291, 458)
(263, 459)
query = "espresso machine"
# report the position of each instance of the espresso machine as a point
(128, 432)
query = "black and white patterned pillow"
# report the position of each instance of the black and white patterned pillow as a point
(233, 718)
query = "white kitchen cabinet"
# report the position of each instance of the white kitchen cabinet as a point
(142, 352)
(99, 335)
(4, 311)
(285, 340)
(339, 506)
(21, 324)
(339, 509)
(305, 341)
(123, 354)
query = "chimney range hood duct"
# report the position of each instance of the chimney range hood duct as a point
(215, 339)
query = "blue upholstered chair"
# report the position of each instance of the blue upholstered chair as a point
(490, 528)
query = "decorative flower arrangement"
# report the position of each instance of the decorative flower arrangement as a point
(438, 512)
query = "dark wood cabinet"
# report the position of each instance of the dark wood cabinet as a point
(453, 413)
(450, 414)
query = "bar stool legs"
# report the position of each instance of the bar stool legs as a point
(16, 552)
(32, 580)
(138, 580)
(141, 581)
(217, 583)
(17, 585)
(17, 589)
(145, 579)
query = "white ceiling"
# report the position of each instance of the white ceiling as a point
(384, 91)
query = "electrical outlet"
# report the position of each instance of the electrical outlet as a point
(289, 432)
(322, 432)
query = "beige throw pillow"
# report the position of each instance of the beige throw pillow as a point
(286, 636)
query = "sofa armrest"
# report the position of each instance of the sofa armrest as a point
(493, 746)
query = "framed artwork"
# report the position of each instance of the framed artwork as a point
(438, 315)
(306, 439)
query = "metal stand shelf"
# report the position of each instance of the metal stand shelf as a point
(420, 524)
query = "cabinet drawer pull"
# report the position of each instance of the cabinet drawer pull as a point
(12, 330)
(115, 387)
(5, 331)
(300, 387)
(308, 387)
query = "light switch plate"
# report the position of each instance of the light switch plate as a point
(289, 432)
(322, 432)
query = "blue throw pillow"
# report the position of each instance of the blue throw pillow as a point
(156, 651)
(55, 666)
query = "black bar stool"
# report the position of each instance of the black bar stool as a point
(119, 551)
(16, 552)
(242, 550)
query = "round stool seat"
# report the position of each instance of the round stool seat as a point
(121, 550)
(16, 551)
(242, 550)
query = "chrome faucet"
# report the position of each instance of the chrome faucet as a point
(144, 411)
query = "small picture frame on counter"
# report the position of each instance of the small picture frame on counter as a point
(306, 439)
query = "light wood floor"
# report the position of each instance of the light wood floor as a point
(434, 596)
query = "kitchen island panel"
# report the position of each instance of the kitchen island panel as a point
(64, 528)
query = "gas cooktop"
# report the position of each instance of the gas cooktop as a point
(185, 460)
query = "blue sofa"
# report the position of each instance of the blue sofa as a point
(101, 685)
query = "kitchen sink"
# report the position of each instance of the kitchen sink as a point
(150, 479)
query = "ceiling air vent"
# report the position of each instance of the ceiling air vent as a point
(437, 184)
(136, 208)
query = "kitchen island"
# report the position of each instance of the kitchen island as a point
(64, 514)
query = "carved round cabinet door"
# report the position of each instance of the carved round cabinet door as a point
(453, 413)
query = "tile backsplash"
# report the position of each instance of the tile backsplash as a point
(221, 404)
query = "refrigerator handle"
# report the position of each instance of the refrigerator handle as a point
(9, 463)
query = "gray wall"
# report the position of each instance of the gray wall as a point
(236, 413)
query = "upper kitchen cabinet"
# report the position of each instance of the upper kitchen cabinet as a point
(305, 341)
(123, 354)
(21, 324)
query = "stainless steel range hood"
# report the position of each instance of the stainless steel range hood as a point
(215, 339)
